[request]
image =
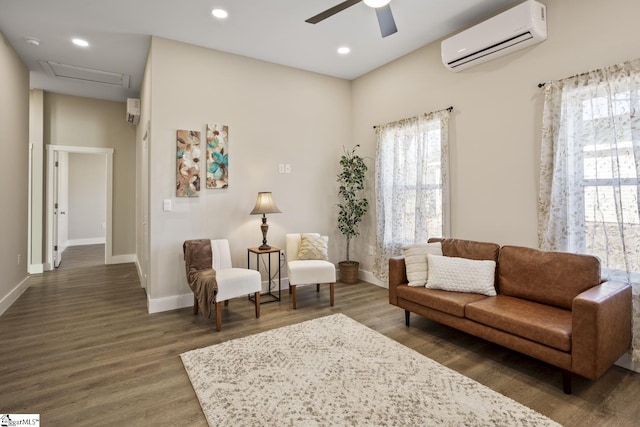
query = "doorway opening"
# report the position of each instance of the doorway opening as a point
(56, 206)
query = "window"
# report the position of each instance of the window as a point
(411, 184)
(590, 169)
(610, 183)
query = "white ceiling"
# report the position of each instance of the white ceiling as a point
(272, 30)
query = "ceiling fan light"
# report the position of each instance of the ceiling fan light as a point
(80, 42)
(376, 3)
(219, 13)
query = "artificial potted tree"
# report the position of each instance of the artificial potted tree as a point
(353, 207)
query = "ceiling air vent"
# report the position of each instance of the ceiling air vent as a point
(85, 74)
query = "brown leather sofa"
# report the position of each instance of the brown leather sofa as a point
(549, 305)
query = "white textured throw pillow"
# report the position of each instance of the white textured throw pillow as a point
(415, 260)
(313, 246)
(461, 275)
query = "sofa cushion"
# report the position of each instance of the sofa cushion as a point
(449, 302)
(541, 323)
(553, 278)
(468, 249)
(415, 258)
(461, 275)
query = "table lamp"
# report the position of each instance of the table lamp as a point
(264, 205)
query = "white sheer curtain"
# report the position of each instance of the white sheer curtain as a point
(590, 165)
(412, 184)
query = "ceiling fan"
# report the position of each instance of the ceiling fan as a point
(383, 11)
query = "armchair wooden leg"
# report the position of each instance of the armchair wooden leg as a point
(317, 287)
(257, 301)
(292, 288)
(195, 304)
(331, 292)
(218, 316)
(406, 317)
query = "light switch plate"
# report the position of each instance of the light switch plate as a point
(166, 205)
(287, 168)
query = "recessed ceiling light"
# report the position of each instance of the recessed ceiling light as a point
(32, 41)
(219, 13)
(80, 42)
(343, 50)
(376, 3)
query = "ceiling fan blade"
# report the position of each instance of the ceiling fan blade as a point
(386, 21)
(331, 11)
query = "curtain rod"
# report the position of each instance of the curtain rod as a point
(449, 109)
(543, 84)
(586, 73)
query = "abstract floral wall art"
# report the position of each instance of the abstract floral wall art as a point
(187, 163)
(217, 156)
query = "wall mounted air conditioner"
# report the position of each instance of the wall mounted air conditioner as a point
(521, 26)
(133, 111)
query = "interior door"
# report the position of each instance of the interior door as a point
(60, 206)
(63, 201)
(57, 253)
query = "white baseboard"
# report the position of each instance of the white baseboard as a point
(176, 302)
(368, 277)
(36, 268)
(82, 242)
(284, 284)
(627, 362)
(156, 305)
(13, 295)
(123, 259)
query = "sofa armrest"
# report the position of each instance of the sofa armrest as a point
(601, 328)
(397, 276)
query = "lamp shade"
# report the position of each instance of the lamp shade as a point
(265, 204)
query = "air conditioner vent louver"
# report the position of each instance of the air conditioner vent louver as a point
(491, 49)
(512, 30)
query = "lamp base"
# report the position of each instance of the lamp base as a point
(264, 227)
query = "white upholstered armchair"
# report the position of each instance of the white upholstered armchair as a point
(307, 263)
(214, 280)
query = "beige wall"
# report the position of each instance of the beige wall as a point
(495, 125)
(14, 145)
(275, 115)
(86, 122)
(86, 215)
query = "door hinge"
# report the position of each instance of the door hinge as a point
(55, 248)
(56, 163)
(56, 206)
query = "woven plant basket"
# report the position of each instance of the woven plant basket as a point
(349, 272)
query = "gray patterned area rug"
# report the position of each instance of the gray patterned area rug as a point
(334, 371)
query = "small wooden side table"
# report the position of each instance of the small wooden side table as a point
(268, 296)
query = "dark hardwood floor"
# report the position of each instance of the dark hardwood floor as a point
(82, 256)
(79, 348)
